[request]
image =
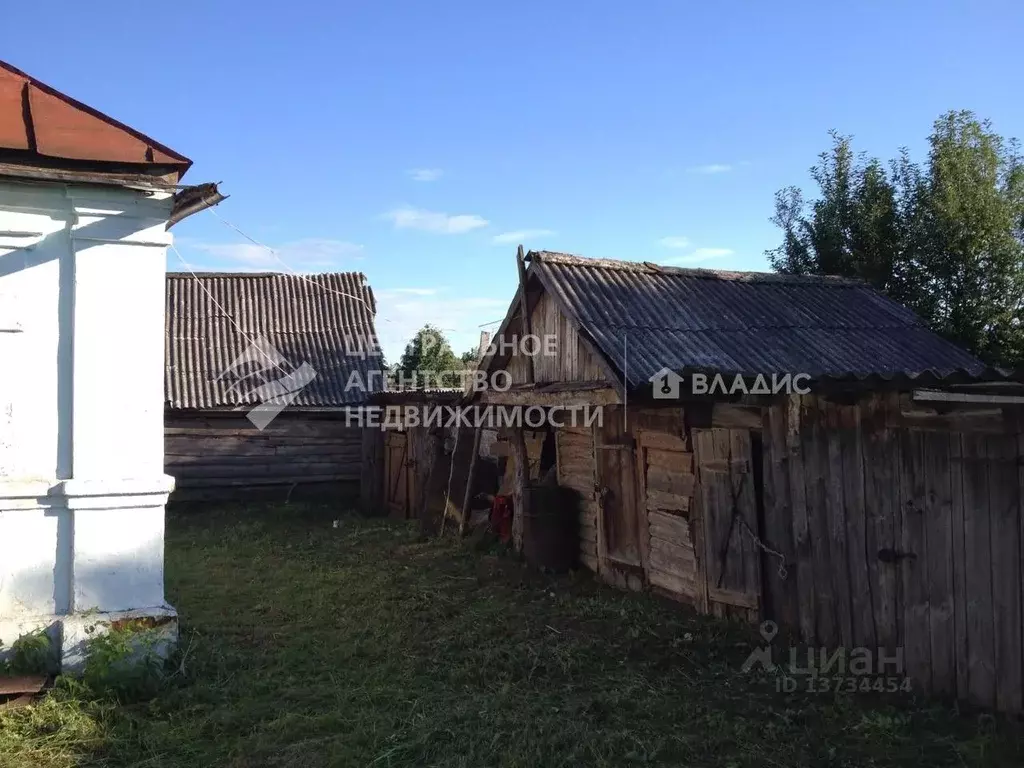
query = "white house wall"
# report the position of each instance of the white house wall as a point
(82, 489)
(120, 262)
(33, 242)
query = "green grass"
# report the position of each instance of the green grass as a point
(307, 645)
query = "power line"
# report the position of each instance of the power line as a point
(287, 266)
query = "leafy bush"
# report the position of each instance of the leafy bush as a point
(31, 654)
(122, 663)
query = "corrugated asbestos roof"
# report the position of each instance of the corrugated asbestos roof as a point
(39, 121)
(745, 322)
(323, 320)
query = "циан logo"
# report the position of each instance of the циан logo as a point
(825, 670)
(254, 373)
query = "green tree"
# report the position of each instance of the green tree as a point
(851, 230)
(427, 358)
(973, 251)
(946, 239)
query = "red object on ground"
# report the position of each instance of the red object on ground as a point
(501, 518)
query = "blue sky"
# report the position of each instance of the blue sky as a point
(412, 141)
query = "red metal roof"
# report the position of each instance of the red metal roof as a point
(40, 120)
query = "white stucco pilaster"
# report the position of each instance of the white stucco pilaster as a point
(82, 489)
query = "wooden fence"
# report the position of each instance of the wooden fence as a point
(900, 531)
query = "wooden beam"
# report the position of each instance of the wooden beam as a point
(664, 441)
(935, 395)
(519, 493)
(524, 308)
(568, 398)
(951, 417)
(732, 416)
(733, 597)
(468, 495)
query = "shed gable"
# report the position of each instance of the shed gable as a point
(563, 355)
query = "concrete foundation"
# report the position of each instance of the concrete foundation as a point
(77, 556)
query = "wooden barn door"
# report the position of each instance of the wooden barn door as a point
(666, 479)
(728, 499)
(618, 538)
(958, 564)
(396, 474)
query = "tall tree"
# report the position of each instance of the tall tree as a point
(428, 359)
(973, 207)
(851, 230)
(946, 239)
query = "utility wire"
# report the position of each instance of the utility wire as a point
(287, 266)
(213, 211)
(218, 305)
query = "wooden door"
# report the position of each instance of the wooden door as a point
(396, 474)
(728, 502)
(671, 556)
(618, 522)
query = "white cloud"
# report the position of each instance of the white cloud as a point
(414, 291)
(710, 253)
(674, 242)
(408, 310)
(702, 254)
(521, 235)
(426, 174)
(711, 168)
(307, 255)
(431, 221)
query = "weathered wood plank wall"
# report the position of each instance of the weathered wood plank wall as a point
(672, 532)
(213, 456)
(372, 471)
(576, 470)
(570, 361)
(903, 531)
(884, 525)
(651, 524)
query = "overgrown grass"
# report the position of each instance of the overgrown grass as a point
(308, 645)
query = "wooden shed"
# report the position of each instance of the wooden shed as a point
(240, 348)
(874, 502)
